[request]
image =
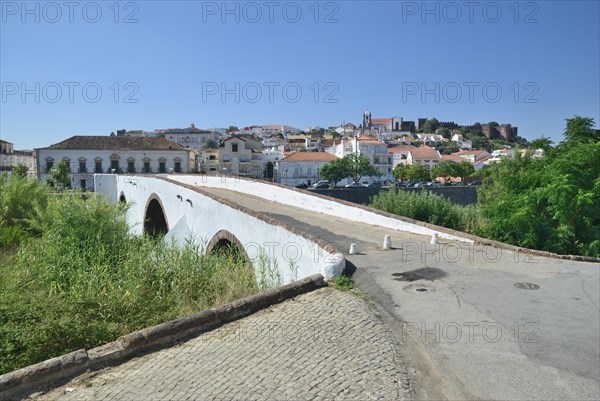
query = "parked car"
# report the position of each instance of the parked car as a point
(423, 184)
(475, 183)
(354, 185)
(403, 184)
(322, 184)
(374, 185)
(301, 186)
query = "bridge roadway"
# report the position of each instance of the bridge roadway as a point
(475, 322)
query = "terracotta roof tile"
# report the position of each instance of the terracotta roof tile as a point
(425, 153)
(310, 156)
(81, 142)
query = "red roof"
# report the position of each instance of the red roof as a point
(425, 153)
(310, 156)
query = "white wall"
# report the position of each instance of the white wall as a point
(205, 217)
(307, 201)
(91, 155)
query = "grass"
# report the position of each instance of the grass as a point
(75, 278)
(342, 282)
(430, 208)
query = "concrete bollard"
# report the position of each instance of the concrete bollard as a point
(434, 239)
(387, 242)
(353, 249)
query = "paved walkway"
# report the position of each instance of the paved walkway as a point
(325, 345)
(476, 322)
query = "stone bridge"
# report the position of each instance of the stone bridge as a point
(475, 319)
(182, 208)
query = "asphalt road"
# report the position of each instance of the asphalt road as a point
(476, 322)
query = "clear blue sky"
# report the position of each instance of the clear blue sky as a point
(176, 58)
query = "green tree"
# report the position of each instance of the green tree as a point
(20, 170)
(210, 144)
(465, 169)
(359, 166)
(552, 204)
(400, 172)
(580, 130)
(445, 132)
(541, 143)
(446, 169)
(335, 171)
(232, 128)
(431, 125)
(60, 174)
(417, 172)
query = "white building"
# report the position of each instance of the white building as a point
(270, 130)
(374, 150)
(400, 155)
(9, 158)
(191, 137)
(462, 143)
(272, 154)
(87, 155)
(302, 167)
(424, 155)
(238, 156)
(430, 138)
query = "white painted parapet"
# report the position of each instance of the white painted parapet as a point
(308, 201)
(280, 252)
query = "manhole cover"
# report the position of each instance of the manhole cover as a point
(527, 286)
(421, 289)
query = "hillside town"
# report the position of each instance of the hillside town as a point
(278, 153)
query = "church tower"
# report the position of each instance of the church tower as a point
(366, 125)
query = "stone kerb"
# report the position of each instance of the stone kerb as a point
(20, 383)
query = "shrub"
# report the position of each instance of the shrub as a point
(430, 208)
(84, 280)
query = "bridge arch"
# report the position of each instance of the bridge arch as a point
(223, 240)
(155, 219)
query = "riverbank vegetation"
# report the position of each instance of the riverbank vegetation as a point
(550, 203)
(72, 276)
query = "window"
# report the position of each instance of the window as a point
(114, 165)
(234, 147)
(212, 157)
(82, 167)
(98, 167)
(130, 167)
(178, 167)
(82, 184)
(146, 167)
(49, 165)
(162, 167)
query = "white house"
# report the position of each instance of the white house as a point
(462, 143)
(9, 158)
(374, 150)
(302, 167)
(473, 156)
(425, 155)
(238, 156)
(87, 155)
(400, 155)
(191, 137)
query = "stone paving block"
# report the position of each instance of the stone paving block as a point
(320, 346)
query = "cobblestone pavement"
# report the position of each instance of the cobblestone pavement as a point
(325, 345)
